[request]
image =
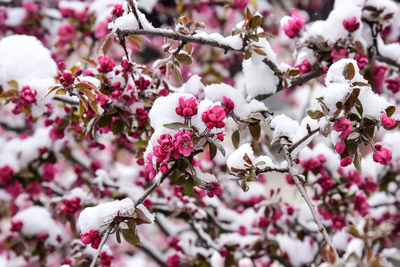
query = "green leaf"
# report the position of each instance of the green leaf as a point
(255, 22)
(141, 144)
(141, 218)
(184, 58)
(390, 110)
(220, 147)
(213, 150)
(353, 231)
(294, 72)
(236, 138)
(357, 161)
(118, 126)
(130, 234)
(118, 236)
(255, 131)
(349, 71)
(105, 120)
(259, 51)
(176, 126)
(188, 187)
(236, 31)
(315, 114)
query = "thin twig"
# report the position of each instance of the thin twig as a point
(295, 145)
(270, 169)
(103, 241)
(303, 192)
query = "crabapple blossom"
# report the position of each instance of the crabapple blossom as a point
(293, 26)
(351, 24)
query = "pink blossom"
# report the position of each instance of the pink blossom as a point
(351, 24)
(101, 99)
(241, 4)
(105, 259)
(220, 136)
(338, 54)
(340, 147)
(361, 204)
(106, 64)
(49, 172)
(71, 206)
(165, 148)
(343, 125)
(215, 190)
(117, 11)
(263, 222)
(142, 115)
(393, 84)
(66, 78)
(27, 96)
(387, 122)
(293, 26)
(378, 73)
(142, 83)
(362, 60)
(326, 183)
(14, 189)
(304, 67)
(66, 33)
(369, 185)
(183, 144)
(6, 173)
(382, 155)
(149, 169)
(354, 177)
(338, 223)
(228, 104)
(61, 66)
(173, 260)
(34, 188)
(16, 226)
(187, 107)
(214, 117)
(345, 162)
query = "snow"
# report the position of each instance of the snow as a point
(146, 212)
(302, 131)
(24, 58)
(235, 160)
(18, 153)
(147, 5)
(204, 176)
(283, 126)
(335, 72)
(15, 16)
(99, 217)
(259, 78)
(91, 80)
(38, 220)
(243, 108)
(128, 21)
(391, 51)
(233, 41)
(332, 28)
(292, 246)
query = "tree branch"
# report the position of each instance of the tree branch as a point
(295, 145)
(303, 192)
(103, 241)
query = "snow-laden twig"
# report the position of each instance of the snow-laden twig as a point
(303, 139)
(270, 169)
(103, 241)
(306, 197)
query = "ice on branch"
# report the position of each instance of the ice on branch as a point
(38, 221)
(99, 217)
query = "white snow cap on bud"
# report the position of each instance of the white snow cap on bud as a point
(100, 216)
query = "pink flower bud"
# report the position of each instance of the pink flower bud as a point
(214, 117)
(118, 11)
(387, 122)
(351, 24)
(86, 239)
(343, 125)
(393, 84)
(229, 105)
(382, 155)
(220, 136)
(106, 64)
(362, 60)
(187, 107)
(293, 26)
(61, 66)
(345, 162)
(340, 147)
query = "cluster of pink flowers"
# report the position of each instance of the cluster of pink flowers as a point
(105, 64)
(81, 16)
(49, 172)
(215, 190)
(27, 96)
(187, 107)
(16, 226)
(293, 26)
(92, 237)
(181, 146)
(173, 260)
(382, 155)
(6, 173)
(361, 204)
(343, 125)
(66, 34)
(142, 83)
(304, 67)
(213, 117)
(338, 54)
(142, 115)
(362, 60)
(105, 259)
(351, 24)
(71, 206)
(393, 84)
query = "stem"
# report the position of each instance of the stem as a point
(103, 241)
(155, 185)
(311, 205)
(295, 145)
